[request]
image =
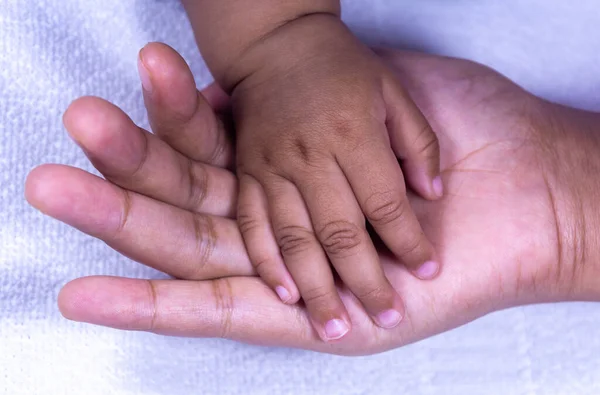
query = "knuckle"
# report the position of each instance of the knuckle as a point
(153, 304)
(218, 150)
(346, 122)
(379, 294)
(340, 238)
(266, 157)
(144, 158)
(125, 213)
(320, 296)
(301, 149)
(246, 221)
(427, 143)
(342, 125)
(197, 180)
(205, 240)
(261, 264)
(412, 249)
(223, 297)
(345, 118)
(384, 208)
(299, 156)
(294, 239)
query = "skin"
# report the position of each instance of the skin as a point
(515, 226)
(326, 136)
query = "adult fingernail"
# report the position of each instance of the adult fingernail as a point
(428, 270)
(283, 294)
(144, 74)
(335, 329)
(388, 319)
(438, 186)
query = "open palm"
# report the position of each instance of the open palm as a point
(169, 203)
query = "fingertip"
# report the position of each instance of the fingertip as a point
(82, 298)
(389, 319)
(31, 190)
(167, 78)
(335, 329)
(40, 187)
(283, 294)
(427, 186)
(108, 137)
(279, 280)
(144, 73)
(120, 303)
(332, 325)
(413, 140)
(154, 54)
(287, 294)
(68, 301)
(276, 276)
(438, 187)
(74, 197)
(428, 270)
(179, 114)
(295, 298)
(79, 109)
(94, 123)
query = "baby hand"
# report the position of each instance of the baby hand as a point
(320, 129)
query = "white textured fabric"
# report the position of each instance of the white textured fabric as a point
(52, 51)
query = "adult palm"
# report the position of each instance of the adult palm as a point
(505, 229)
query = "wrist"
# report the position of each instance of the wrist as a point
(300, 40)
(575, 179)
(228, 30)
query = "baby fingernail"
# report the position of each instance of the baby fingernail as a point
(438, 186)
(388, 319)
(428, 270)
(144, 75)
(335, 329)
(283, 294)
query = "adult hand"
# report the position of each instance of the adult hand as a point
(516, 225)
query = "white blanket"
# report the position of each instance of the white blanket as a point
(52, 51)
